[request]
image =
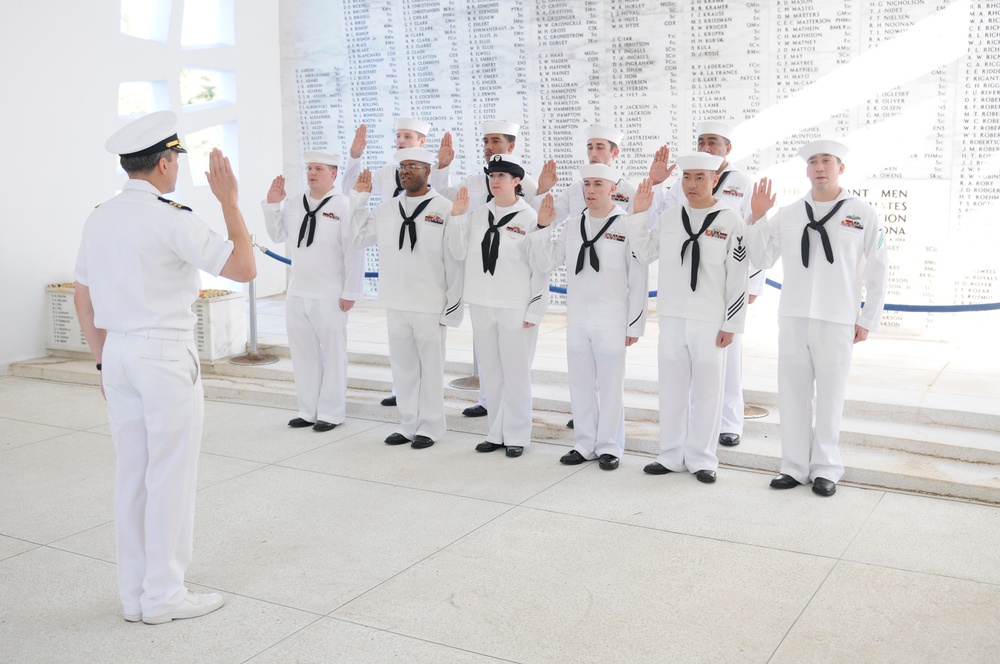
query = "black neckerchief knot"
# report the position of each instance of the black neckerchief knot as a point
(309, 221)
(693, 241)
(818, 227)
(491, 241)
(409, 223)
(595, 262)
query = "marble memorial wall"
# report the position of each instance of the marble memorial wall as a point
(912, 85)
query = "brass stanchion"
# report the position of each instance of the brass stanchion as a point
(253, 357)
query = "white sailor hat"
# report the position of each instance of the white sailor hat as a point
(699, 161)
(149, 134)
(496, 127)
(838, 150)
(504, 163)
(413, 124)
(599, 171)
(714, 127)
(607, 133)
(322, 157)
(414, 154)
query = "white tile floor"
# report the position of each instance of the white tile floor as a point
(337, 548)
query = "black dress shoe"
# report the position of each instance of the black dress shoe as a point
(514, 451)
(474, 411)
(487, 446)
(389, 400)
(569, 425)
(299, 423)
(572, 458)
(824, 487)
(705, 476)
(729, 439)
(420, 442)
(396, 439)
(607, 461)
(324, 426)
(656, 468)
(784, 482)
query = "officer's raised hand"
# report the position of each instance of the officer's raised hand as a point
(643, 198)
(276, 193)
(547, 178)
(360, 141)
(221, 178)
(364, 183)
(546, 211)
(659, 170)
(461, 204)
(446, 152)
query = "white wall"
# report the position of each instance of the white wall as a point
(63, 61)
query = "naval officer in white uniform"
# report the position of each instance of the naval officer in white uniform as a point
(420, 285)
(834, 257)
(137, 278)
(701, 303)
(324, 285)
(605, 311)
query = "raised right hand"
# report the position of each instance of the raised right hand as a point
(364, 183)
(446, 153)
(461, 204)
(276, 193)
(360, 142)
(546, 211)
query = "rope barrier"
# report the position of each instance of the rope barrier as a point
(919, 308)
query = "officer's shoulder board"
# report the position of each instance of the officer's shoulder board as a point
(174, 203)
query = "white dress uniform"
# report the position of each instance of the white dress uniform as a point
(691, 316)
(420, 285)
(606, 301)
(817, 312)
(735, 188)
(504, 290)
(479, 194)
(325, 268)
(140, 256)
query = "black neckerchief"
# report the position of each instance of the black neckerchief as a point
(722, 178)
(595, 262)
(818, 227)
(693, 241)
(309, 221)
(491, 241)
(408, 222)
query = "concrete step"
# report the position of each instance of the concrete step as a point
(893, 446)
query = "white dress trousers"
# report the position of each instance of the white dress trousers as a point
(416, 356)
(156, 409)
(505, 350)
(317, 338)
(813, 356)
(690, 375)
(596, 374)
(732, 390)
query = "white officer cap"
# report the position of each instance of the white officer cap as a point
(699, 161)
(149, 134)
(714, 127)
(599, 171)
(414, 154)
(607, 133)
(413, 124)
(496, 127)
(838, 150)
(322, 157)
